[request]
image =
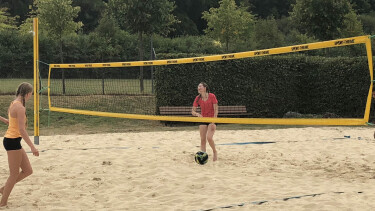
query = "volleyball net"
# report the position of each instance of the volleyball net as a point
(165, 89)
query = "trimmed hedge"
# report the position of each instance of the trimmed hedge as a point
(16, 55)
(271, 86)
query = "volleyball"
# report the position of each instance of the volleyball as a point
(201, 157)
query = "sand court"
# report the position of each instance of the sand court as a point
(311, 168)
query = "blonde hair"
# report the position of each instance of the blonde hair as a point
(22, 90)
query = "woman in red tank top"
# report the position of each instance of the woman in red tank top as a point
(17, 157)
(209, 108)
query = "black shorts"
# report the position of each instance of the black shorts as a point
(12, 143)
(205, 123)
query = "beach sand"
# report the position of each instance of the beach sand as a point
(311, 168)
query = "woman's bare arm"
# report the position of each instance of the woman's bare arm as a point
(216, 110)
(194, 112)
(6, 121)
(22, 127)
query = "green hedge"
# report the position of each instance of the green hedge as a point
(16, 55)
(271, 86)
(16, 50)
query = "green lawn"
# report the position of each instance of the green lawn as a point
(9, 86)
(120, 94)
(82, 87)
(107, 103)
(98, 87)
(64, 123)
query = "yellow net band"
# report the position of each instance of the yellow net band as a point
(260, 121)
(256, 121)
(220, 57)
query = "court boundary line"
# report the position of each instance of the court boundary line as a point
(272, 200)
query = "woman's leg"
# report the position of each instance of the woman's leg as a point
(203, 133)
(14, 161)
(26, 169)
(210, 134)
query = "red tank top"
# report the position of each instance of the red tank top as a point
(207, 107)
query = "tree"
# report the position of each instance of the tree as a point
(107, 27)
(352, 26)
(228, 23)
(368, 21)
(361, 6)
(58, 16)
(323, 19)
(294, 37)
(189, 12)
(17, 8)
(267, 35)
(107, 31)
(6, 22)
(143, 18)
(266, 8)
(90, 13)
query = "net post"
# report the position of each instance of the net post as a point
(49, 116)
(152, 67)
(36, 80)
(370, 65)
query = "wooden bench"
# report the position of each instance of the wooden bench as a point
(186, 110)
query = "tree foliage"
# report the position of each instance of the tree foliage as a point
(368, 21)
(228, 23)
(352, 26)
(267, 34)
(58, 17)
(6, 22)
(363, 6)
(148, 17)
(266, 8)
(324, 19)
(90, 13)
(189, 12)
(143, 17)
(17, 8)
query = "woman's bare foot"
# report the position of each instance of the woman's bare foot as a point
(215, 156)
(3, 205)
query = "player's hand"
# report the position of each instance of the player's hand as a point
(35, 151)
